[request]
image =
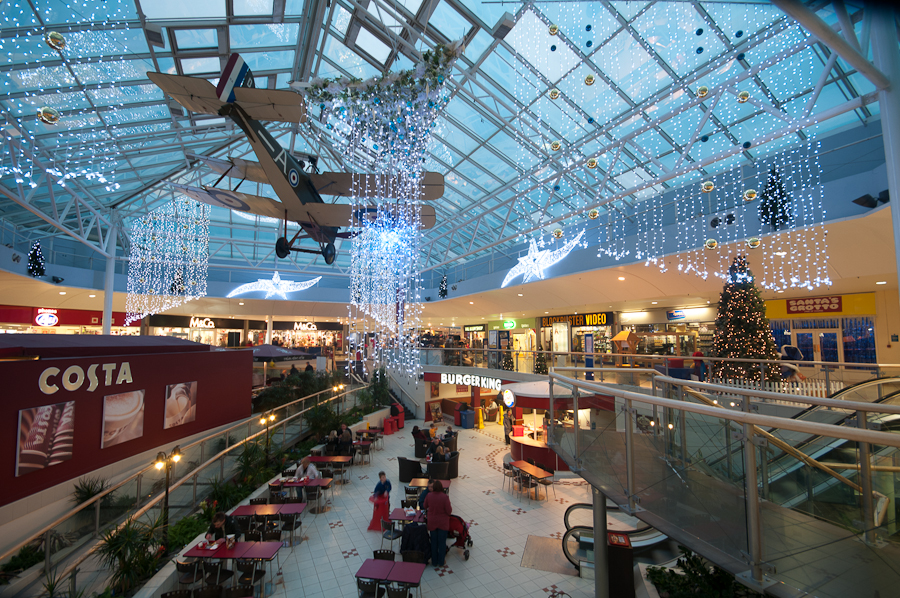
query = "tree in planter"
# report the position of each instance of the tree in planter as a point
(507, 363)
(540, 362)
(131, 552)
(36, 260)
(698, 579)
(773, 207)
(742, 329)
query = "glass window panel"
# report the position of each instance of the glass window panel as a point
(402, 63)
(532, 41)
(508, 146)
(478, 175)
(130, 115)
(628, 8)
(281, 80)
(28, 106)
(25, 48)
(470, 117)
(269, 34)
(371, 45)
(670, 29)
(478, 45)
(652, 143)
(449, 22)
(386, 18)
(103, 73)
(630, 67)
(85, 11)
(269, 61)
(732, 17)
(349, 61)
(494, 164)
(188, 39)
(786, 77)
(200, 66)
(599, 100)
(252, 7)
(488, 13)
(499, 66)
(455, 137)
(35, 79)
(411, 5)
(573, 18)
(179, 9)
(341, 19)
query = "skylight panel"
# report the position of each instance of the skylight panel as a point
(371, 45)
(341, 19)
(532, 42)
(494, 164)
(630, 67)
(180, 9)
(679, 35)
(478, 45)
(190, 39)
(739, 20)
(252, 7)
(200, 66)
(84, 11)
(35, 79)
(269, 34)
(269, 61)
(628, 8)
(104, 72)
(488, 13)
(411, 5)
(448, 21)
(470, 117)
(581, 22)
(350, 62)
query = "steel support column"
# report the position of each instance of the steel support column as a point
(109, 279)
(601, 560)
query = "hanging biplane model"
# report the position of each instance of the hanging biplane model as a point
(300, 193)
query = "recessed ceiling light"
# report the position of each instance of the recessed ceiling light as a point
(654, 302)
(62, 292)
(92, 296)
(520, 294)
(471, 303)
(707, 302)
(546, 312)
(241, 303)
(621, 278)
(881, 282)
(576, 313)
(779, 291)
(780, 253)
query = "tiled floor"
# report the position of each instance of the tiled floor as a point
(336, 543)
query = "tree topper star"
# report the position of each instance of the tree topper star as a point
(276, 286)
(533, 264)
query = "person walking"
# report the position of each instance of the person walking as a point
(381, 499)
(507, 424)
(439, 510)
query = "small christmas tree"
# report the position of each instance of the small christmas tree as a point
(742, 329)
(540, 362)
(36, 260)
(442, 290)
(773, 209)
(508, 364)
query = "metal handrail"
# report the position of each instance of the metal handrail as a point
(769, 421)
(72, 567)
(83, 506)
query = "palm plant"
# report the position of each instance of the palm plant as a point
(131, 551)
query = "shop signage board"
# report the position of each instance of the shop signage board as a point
(509, 398)
(46, 317)
(815, 305)
(675, 314)
(305, 326)
(202, 323)
(509, 324)
(468, 380)
(604, 318)
(474, 328)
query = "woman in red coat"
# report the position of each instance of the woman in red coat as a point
(437, 504)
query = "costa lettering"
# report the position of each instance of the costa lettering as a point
(202, 323)
(467, 380)
(305, 326)
(74, 377)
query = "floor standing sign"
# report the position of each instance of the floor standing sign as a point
(589, 355)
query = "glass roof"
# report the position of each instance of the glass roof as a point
(641, 118)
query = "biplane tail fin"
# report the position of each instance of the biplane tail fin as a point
(236, 73)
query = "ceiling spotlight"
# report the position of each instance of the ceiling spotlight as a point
(654, 302)
(780, 253)
(241, 303)
(62, 292)
(520, 295)
(92, 296)
(881, 282)
(621, 278)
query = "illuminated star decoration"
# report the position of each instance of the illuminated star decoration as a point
(276, 286)
(532, 265)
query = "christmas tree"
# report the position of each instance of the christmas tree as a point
(508, 364)
(540, 362)
(442, 290)
(36, 260)
(742, 329)
(773, 209)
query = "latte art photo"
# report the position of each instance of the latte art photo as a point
(181, 404)
(123, 417)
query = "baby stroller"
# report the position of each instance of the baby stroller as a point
(459, 530)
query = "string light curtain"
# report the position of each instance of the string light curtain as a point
(384, 126)
(168, 260)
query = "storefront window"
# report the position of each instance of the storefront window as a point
(850, 340)
(859, 340)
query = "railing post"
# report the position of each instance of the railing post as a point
(865, 477)
(764, 467)
(751, 497)
(97, 517)
(827, 381)
(682, 428)
(629, 458)
(47, 537)
(601, 548)
(577, 454)
(728, 452)
(550, 430)
(138, 490)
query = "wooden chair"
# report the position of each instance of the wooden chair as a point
(215, 573)
(239, 592)
(208, 592)
(188, 574)
(259, 501)
(272, 536)
(177, 594)
(409, 504)
(253, 536)
(384, 555)
(290, 523)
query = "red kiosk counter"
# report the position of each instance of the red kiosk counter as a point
(527, 437)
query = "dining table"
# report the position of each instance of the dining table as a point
(392, 571)
(323, 483)
(535, 472)
(403, 515)
(422, 483)
(263, 510)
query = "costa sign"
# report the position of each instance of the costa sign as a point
(202, 323)
(467, 380)
(74, 377)
(305, 326)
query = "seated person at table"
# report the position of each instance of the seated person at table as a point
(418, 434)
(432, 431)
(332, 439)
(433, 447)
(422, 495)
(440, 454)
(308, 470)
(449, 433)
(222, 525)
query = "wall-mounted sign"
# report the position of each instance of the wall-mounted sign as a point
(675, 314)
(815, 305)
(474, 328)
(305, 326)
(46, 317)
(75, 376)
(604, 318)
(467, 380)
(509, 324)
(508, 398)
(202, 323)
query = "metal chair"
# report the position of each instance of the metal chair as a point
(289, 473)
(239, 592)
(389, 532)
(399, 592)
(250, 571)
(547, 482)
(413, 556)
(215, 573)
(384, 555)
(525, 483)
(365, 452)
(208, 592)
(177, 594)
(369, 588)
(259, 501)
(312, 494)
(188, 573)
(290, 523)
(508, 474)
(253, 536)
(243, 522)
(409, 504)
(272, 536)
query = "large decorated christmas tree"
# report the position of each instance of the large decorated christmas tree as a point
(742, 329)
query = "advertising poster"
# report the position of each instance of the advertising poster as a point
(181, 404)
(123, 417)
(46, 435)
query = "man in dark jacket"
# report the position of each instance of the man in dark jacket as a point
(432, 448)
(222, 525)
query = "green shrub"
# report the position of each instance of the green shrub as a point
(28, 556)
(131, 552)
(698, 580)
(87, 488)
(185, 531)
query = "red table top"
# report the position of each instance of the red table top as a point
(400, 515)
(239, 550)
(362, 442)
(375, 569)
(292, 508)
(245, 510)
(406, 572)
(335, 459)
(424, 483)
(323, 482)
(262, 550)
(196, 551)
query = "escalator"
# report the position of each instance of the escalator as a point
(649, 544)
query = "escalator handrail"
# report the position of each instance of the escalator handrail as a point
(610, 506)
(565, 542)
(853, 388)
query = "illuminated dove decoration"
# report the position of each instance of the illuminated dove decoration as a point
(276, 286)
(532, 265)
